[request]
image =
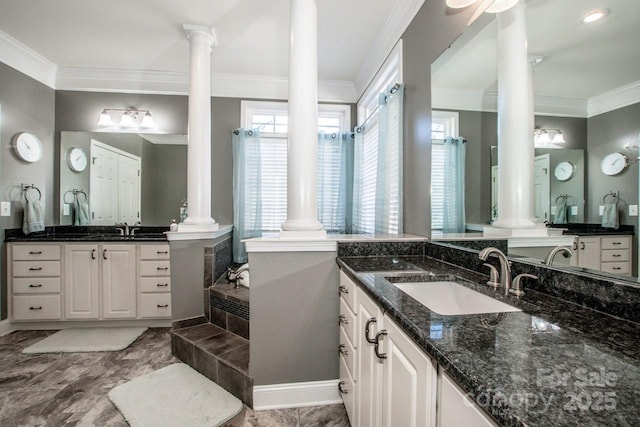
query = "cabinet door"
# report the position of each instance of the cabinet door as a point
(118, 281)
(409, 382)
(457, 409)
(589, 252)
(369, 366)
(81, 281)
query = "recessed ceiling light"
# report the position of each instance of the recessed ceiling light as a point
(594, 15)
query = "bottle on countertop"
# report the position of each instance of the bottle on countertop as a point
(173, 226)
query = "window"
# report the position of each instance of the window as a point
(272, 120)
(443, 124)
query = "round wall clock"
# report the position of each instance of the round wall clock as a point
(27, 147)
(76, 159)
(564, 171)
(614, 163)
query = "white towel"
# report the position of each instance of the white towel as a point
(33, 217)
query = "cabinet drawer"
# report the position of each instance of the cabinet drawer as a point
(620, 242)
(155, 284)
(36, 268)
(33, 285)
(348, 322)
(348, 291)
(347, 352)
(154, 252)
(36, 307)
(347, 388)
(616, 267)
(154, 268)
(155, 305)
(36, 252)
(615, 255)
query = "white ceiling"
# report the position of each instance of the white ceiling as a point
(146, 35)
(581, 62)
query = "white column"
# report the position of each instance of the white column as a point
(201, 38)
(515, 131)
(302, 215)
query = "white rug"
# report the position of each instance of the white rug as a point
(174, 396)
(86, 339)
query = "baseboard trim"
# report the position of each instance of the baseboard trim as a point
(5, 327)
(296, 395)
(55, 325)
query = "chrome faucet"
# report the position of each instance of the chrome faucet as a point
(548, 260)
(233, 275)
(505, 265)
(123, 228)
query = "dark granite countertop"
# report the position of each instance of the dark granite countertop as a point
(579, 229)
(87, 234)
(553, 364)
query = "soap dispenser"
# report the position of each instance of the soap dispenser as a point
(173, 226)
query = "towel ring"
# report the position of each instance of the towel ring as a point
(26, 188)
(615, 196)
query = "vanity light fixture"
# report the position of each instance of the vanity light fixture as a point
(595, 15)
(128, 119)
(543, 136)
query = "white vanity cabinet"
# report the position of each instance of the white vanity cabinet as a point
(35, 275)
(611, 254)
(392, 383)
(154, 278)
(457, 409)
(100, 281)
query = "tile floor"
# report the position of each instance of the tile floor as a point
(69, 389)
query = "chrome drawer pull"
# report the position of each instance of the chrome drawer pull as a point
(341, 389)
(35, 308)
(35, 252)
(342, 320)
(162, 268)
(35, 285)
(343, 290)
(367, 327)
(376, 347)
(162, 252)
(162, 305)
(35, 268)
(162, 285)
(342, 351)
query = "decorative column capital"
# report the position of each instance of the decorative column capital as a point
(206, 31)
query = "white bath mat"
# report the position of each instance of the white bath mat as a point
(174, 396)
(86, 339)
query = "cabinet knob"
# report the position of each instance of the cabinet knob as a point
(343, 290)
(342, 351)
(342, 320)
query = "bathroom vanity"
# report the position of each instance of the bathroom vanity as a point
(551, 362)
(88, 276)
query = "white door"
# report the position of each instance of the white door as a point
(103, 186)
(129, 189)
(369, 366)
(409, 382)
(542, 190)
(118, 281)
(81, 281)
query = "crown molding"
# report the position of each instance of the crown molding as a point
(468, 100)
(27, 61)
(175, 83)
(614, 99)
(397, 22)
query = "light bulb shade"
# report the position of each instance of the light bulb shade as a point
(459, 4)
(105, 119)
(501, 5)
(543, 138)
(147, 121)
(126, 121)
(558, 138)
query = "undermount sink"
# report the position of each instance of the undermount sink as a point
(452, 299)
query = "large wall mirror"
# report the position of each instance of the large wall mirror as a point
(582, 87)
(108, 178)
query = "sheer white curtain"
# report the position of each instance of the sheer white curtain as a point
(335, 177)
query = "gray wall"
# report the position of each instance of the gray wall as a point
(27, 106)
(432, 30)
(294, 312)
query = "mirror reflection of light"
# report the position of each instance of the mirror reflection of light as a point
(594, 15)
(436, 330)
(541, 325)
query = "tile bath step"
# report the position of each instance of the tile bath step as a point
(218, 354)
